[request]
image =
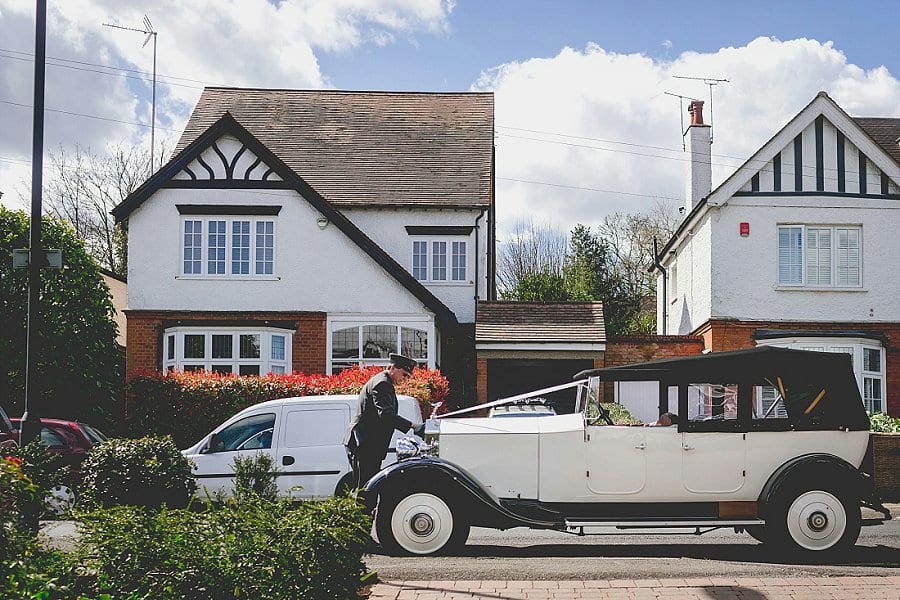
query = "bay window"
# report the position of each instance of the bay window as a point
(368, 344)
(866, 356)
(242, 351)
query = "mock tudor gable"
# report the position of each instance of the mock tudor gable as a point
(797, 249)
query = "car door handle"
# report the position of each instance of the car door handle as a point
(287, 460)
(641, 446)
(686, 447)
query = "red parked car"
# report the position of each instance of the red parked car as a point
(7, 436)
(70, 439)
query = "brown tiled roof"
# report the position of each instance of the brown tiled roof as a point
(368, 148)
(885, 132)
(534, 322)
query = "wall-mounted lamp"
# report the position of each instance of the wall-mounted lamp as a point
(322, 222)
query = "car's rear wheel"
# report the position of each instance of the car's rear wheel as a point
(419, 522)
(813, 519)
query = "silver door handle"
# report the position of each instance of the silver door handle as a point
(687, 447)
(641, 446)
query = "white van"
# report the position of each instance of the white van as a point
(303, 435)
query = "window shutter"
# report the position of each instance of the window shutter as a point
(790, 255)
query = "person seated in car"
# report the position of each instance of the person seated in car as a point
(666, 419)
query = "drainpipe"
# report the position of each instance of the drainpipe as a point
(665, 278)
(477, 257)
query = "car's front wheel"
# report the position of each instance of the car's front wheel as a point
(817, 520)
(419, 522)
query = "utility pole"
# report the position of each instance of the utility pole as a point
(150, 33)
(31, 421)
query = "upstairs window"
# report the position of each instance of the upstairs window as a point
(440, 260)
(228, 247)
(819, 256)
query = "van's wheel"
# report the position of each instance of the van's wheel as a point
(419, 522)
(816, 519)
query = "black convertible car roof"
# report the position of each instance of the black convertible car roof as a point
(819, 386)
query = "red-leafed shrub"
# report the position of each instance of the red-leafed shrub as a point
(187, 406)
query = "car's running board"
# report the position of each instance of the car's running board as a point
(578, 523)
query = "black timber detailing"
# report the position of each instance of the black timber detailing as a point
(439, 229)
(226, 209)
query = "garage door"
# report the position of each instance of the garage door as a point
(508, 377)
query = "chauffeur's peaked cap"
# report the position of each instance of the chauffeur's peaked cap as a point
(403, 362)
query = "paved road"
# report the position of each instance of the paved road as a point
(539, 555)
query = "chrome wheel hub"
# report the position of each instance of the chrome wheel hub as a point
(422, 524)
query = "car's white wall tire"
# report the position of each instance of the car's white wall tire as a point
(818, 520)
(418, 522)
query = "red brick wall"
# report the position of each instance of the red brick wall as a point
(145, 331)
(481, 369)
(628, 349)
(722, 335)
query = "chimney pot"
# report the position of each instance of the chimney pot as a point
(696, 110)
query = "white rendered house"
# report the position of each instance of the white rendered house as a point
(797, 248)
(314, 231)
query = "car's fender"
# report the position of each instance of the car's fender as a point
(479, 507)
(815, 469)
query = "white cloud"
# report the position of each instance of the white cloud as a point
(216, 42)
(598, 94)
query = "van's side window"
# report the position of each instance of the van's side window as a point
(322, 427)
(235, 435)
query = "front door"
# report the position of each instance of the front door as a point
(311, 455)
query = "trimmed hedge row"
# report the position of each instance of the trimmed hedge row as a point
(189, 405)
(251, 549)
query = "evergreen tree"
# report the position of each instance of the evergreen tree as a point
(79, 366)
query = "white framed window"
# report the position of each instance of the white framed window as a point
(819, 256)
(240, 350)
(356, 343)
(440, 260)
(867, 357)
(873, 379)
(228, 247)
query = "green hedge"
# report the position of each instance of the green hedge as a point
(187, 406)
(255, 549)
(148, 471)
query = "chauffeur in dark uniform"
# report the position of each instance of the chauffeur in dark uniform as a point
(369, 434)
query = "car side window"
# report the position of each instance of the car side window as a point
(52, 439)
(712, 402)
(238, 433)
(260, 441)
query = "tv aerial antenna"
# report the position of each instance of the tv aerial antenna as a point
(148, 30)
(711, 82)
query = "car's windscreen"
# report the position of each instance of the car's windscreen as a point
(95, 436)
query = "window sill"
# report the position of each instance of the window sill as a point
(806, 288)
(228, 277)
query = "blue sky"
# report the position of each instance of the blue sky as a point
(485, 33)
(584, 125)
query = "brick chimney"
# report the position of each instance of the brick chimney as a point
(699, 168)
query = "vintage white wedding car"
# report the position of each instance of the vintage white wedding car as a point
(770, 441)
